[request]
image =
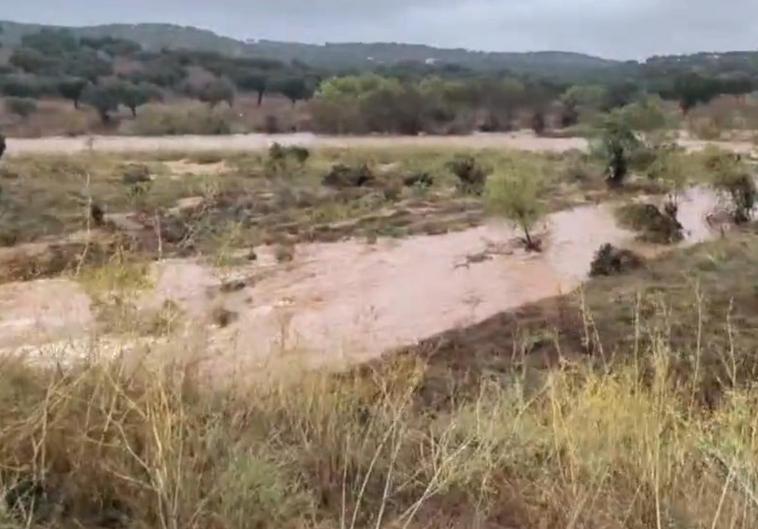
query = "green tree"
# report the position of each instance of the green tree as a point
(104, 98)
(112, 46)
(293, 88)
(133, 96)
(515, 196)
(72, 89)
(253, 82)
(51, 42)
(86, 64)
(617, 143)
(670, 169)
(32, 61)
(216, 92)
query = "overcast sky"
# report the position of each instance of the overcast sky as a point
(626, 29)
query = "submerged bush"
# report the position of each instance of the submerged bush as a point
(610, 260)
(733, 180)
(654, 226)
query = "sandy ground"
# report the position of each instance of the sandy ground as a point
(346, 302)
(525, 141)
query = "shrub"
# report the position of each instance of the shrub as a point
(610, 260)
(515, 196)
(617, 144)
(284, 253)
(342, 175)
(280, 157)
(20, 106)
(135, 174)
(471, 176)
(158, 120)
(734, 181)
(217, 91)
(669, 168)
(654, 226)
(538, 123)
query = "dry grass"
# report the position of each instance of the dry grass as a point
(146, 447)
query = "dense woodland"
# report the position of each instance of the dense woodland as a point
(109, 74)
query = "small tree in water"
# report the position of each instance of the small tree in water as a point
(515, 196)
(616, 145)
(670, 170)
(732, 178)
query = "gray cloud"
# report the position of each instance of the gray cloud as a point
(611, 28)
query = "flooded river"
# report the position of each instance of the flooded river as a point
(521, 140)
(350, 301)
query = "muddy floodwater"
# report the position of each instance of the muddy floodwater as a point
(345, 302)
(521, 140)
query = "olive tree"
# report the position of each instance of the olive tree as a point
(293, 88)
(515, 196)
(103, 98)
(133, 95)
(72, 89)
(217, 91)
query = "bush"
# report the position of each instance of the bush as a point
(609, 261)
(471, 176)
(617, 144)
(515, 196)
(135, 174)
(216, 92)
(158, 120)
(279, 157)
(342, 175)
(20, 106)
(654, 226)
(732, 179)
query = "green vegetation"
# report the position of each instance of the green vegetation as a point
(514, 195)
(399, 91)
(734, 180)
(20, 106)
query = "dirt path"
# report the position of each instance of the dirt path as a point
(525, 141)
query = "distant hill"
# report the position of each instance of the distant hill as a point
(342, 56)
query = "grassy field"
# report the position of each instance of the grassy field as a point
(630, 403)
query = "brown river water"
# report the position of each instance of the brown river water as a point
(346, 302)
(520, 140)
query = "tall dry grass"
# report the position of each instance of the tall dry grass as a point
(125, 444)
